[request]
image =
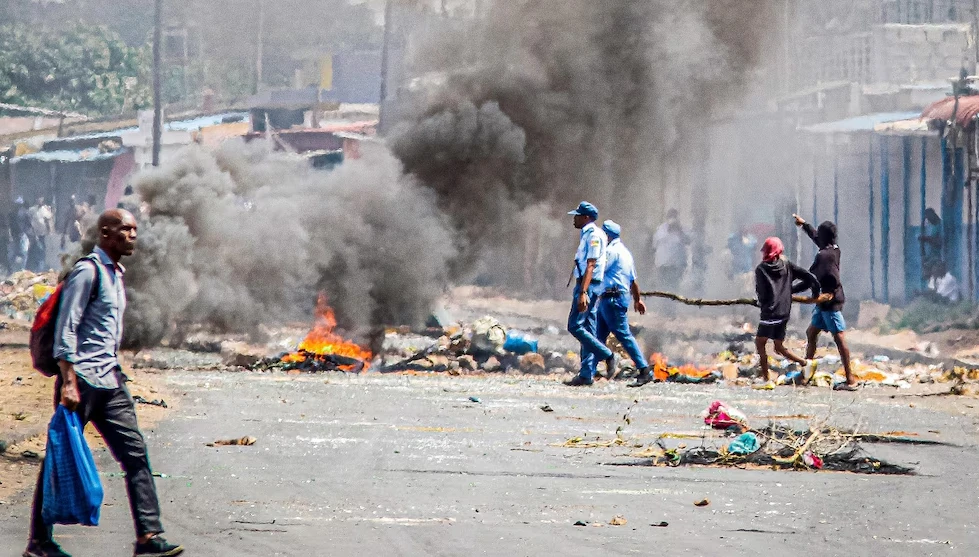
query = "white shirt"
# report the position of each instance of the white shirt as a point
(620, 269)
(947, 287)
(41, 219)
(671, 247)
(593, 245)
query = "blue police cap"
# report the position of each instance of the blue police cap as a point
(612, 228)
(585, 209)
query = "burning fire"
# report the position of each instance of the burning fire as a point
(663, 371)
(322, 341)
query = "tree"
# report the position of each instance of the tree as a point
(81, 68)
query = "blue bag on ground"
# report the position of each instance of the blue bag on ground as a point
(519, 343)
(72, 489)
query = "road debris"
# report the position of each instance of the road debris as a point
(242, 441)
(546, 408)
(618, 520)
(23, 292)
(721, 416)
(744, 444)
(701, 503)
(663, 524)
(160, 402)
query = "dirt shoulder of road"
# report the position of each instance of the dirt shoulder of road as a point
(26, 403)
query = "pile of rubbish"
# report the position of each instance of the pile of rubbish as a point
(777, 446)
(23, 292)
(483, 346)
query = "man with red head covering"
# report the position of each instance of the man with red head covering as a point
(776, 280)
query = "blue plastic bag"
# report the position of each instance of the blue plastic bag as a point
(72, 489)
(745, 444)
(519, 343)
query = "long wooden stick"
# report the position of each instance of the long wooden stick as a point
(701, 302)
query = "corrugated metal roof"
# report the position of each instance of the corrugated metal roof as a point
(858, 124)
(965, 113)
(84, 155)
(913, 126)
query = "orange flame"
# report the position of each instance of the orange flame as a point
(663, 371)
(322, 341)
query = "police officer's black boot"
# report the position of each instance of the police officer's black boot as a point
(645, 376)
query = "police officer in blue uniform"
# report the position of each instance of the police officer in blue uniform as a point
(613, 309)
(589, 270)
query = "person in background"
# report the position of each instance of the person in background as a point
(130, 201)
(88, 332)
(588, 273)
(742, 248)
(943, 285)
(613, 309)
(19, 243)
(931, 242)
(670, 254)
(71, 229)
(828, 314)
(41, 227)
(776, 280)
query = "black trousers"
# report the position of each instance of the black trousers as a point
(113, 414)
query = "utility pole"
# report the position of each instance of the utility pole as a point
(157, 81)
(259, 45)
(975, 34)
(385, 60)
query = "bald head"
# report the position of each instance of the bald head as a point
(117, 233)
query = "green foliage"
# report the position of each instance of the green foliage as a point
(81, 68)
(924, 315)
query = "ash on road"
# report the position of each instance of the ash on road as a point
(404, 465)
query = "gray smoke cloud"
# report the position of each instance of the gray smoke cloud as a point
(561, 101)
(520, 114)
(243, 236)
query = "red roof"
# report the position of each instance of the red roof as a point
(965, 114)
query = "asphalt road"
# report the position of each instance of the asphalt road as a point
(403, 465)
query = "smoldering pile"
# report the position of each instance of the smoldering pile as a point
(243, 236)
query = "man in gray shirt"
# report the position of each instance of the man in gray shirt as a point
(88, 333)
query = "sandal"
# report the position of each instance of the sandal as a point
(844, 386)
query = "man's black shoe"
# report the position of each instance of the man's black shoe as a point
(611, 365)
(44, 549)
(578, 382)
(645, 376)
(157, 547)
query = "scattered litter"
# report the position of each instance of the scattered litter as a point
(745, 444)
(581, 443)
(663, 524)
(243, 441)
(20, 416)
(785, 448)
(488, 336)
(140, 400)
(720, 416)
(547, 408)
(812, 460)
(23, 292)
(475, 399)
(519, 343)
(701, 503)
(30, 454)
(618, 520)
(581, 523)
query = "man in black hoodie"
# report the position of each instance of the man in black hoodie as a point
(775, 282)
(828, 313)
